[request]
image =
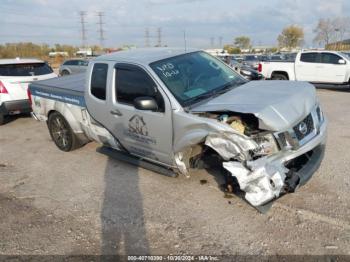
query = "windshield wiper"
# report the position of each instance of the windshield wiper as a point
(223, 89)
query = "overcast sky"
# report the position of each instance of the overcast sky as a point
(48, 21)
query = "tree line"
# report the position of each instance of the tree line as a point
(11, 50)
(328, 33)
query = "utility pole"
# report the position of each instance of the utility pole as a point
(83, 29)
(159, 34)
(147, 37)
(101, 31)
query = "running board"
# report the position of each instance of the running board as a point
(126, 157)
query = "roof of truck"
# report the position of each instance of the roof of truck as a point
(19, 61)
(144, 55)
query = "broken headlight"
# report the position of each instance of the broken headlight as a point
(266, 145)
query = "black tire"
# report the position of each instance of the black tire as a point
(61, 132)
(65, 73)
(279, 77)
(2, 119)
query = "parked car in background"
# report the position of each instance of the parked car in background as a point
(246, 71)
(73, 66)
(251, 60)
(319, 67)
(15, 75)
(290, 56)
(264, 58)
(347, 54)
(276, 58)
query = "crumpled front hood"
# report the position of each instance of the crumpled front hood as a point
(278, 105)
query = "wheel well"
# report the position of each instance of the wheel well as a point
(280, 73)
(50, 112)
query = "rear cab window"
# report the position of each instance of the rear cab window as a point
(98, 85)
(311, 57)
(27, 69)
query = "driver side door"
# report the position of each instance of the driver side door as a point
(145, 133)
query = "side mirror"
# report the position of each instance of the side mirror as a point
(145, 103)
(341, 62)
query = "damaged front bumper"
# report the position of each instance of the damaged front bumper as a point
(270, 177)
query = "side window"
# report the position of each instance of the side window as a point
(69, 62)
(132, 82)
(99, 81)
(328, 58)
(74, 62)
(310, 58)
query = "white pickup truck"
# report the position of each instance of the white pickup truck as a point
(319, 67)
(171, 110)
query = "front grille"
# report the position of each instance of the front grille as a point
(304, 128)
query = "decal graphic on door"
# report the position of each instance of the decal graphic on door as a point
(137, 130)
(138, 126)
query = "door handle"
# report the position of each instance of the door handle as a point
(116, 112)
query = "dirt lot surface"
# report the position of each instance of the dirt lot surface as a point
(82, 202)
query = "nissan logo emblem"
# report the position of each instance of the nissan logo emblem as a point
(302, 128)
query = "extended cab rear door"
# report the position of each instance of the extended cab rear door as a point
(307, 66)
(145, 133)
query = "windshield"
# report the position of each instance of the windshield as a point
(195, 76)
(30, 69)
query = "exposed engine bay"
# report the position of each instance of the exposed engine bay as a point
(248, 157)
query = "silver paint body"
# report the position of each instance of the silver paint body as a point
(279, 105)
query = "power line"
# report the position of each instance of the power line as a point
(39, 25)
(83, 29)
(101, 31)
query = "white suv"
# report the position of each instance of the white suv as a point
(15, 75)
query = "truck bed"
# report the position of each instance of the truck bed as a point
(68, 89)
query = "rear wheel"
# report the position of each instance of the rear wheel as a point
(279, 77)
(61, 133)
(65, 73)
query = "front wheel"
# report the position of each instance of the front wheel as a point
(61, 133)
(279, 77)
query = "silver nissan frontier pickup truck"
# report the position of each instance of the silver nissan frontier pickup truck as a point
(174, 110)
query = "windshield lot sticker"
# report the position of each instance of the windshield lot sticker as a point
(195, 92)
(137, 129)
(168, 70)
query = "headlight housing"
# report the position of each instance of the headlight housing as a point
(267, 145)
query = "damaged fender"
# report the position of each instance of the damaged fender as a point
(231, 145)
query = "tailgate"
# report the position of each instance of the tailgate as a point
(17, 86)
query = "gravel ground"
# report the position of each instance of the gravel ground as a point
(83, 202)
